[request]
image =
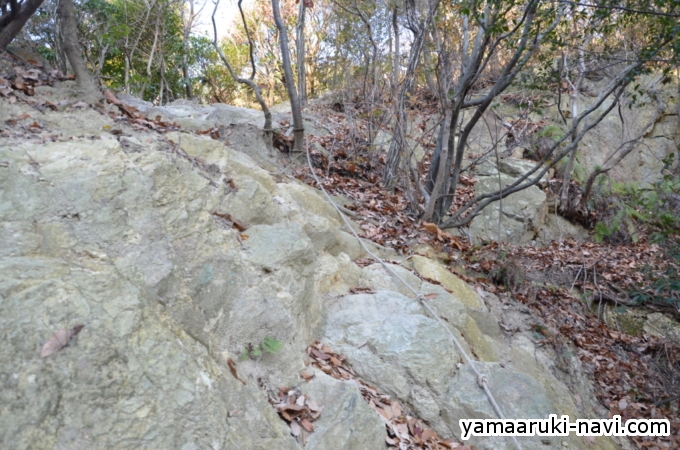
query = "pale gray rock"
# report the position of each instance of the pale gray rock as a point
(391, 343)
(379, 278)
(486, 169)
(126, 244)
(516, 168)
(522, 213)
(346, 420)
(128, 380)
(644, 164)
(518, 395)
(225, 115)
(557, 228)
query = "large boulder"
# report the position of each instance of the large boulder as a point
(518, 217)
(346, 419)
(645, 163)
(392, 342)
(92, 237)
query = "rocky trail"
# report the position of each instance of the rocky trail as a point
(169, 281)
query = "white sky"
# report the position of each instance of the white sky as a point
(227, 13)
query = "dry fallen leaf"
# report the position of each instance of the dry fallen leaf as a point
(59, 340)
(307, 376)
(396, 409)
(295, 429)
(307, 425)
(232, 369)
(110, 96)
(427, 434)
(313, 406)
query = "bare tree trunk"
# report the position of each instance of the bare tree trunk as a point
(438, 164)
(398, 145)
(575, 91)
(300, 50)
(443, 87)
(371, 67)
(151, 56)
(188, 18)
(130, 52)
(396, 62)
(247, 81)
(298, 125)
(69, 38)
(613, 91)
(12, 23)
(478, 58)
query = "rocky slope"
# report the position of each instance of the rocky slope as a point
(178, 253)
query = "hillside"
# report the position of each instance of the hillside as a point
(167, 280)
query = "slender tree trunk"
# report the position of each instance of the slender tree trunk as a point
(69, 38)
(575, 90)
(438, 167)
(396, 59)
(298, 125)
(11, 24)
(398, 145)
(188, 18)
(247, 81)
(301, 51)
(478, 58)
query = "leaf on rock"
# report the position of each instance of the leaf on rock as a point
(307, 425)
(427, 434)
(295, 429)
(232, 369)
(396, 409)
(313, 406)
(272, 345)
(320, 355)
(59, 340)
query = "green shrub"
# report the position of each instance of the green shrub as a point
(268, 345)
(654, 209)
(552, 131)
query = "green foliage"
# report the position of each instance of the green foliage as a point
(655, 207)
(268, 345)
(271, 345)
(578, 172)
(552, 131)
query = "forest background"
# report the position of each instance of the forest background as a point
(386, 65)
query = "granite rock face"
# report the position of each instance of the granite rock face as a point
(517, 217)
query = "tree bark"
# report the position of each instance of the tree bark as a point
(396, 59)
(575, 91)
(398, 145)
(12, 23)
(247, 81)
(300, 50)
(188, 17)
(69, 38)
(298, 125)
